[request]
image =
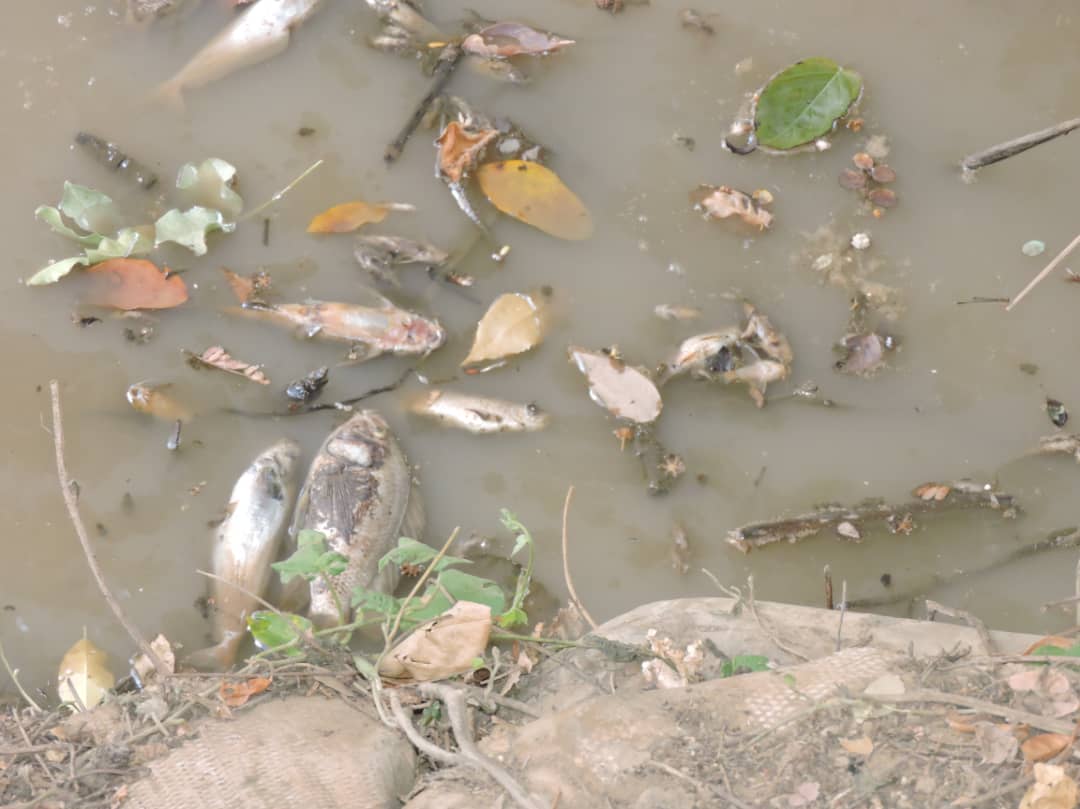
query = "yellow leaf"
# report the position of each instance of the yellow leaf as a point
(510, 326)
(1045, 746)
(534, 194)
(84, 676)
(349, 216)
(1053, 789)
(442, 647)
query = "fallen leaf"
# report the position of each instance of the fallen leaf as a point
(1053, 789)
(997, 743)
(52, 273)
(84, 676)
(189, 228)
(134, 283)
(141, 667)
(441, 648)
(865, 354)
(932, 491)
(805, 794)
(504, 39)
(1044, 681)
(236, 694)
(246, 287)
(460, 148)
(720, 202)
(802, 102)
(90, 209)
(535, 195)
(1050, 640)
(218, 357)
(349, 216)
(883, 197)
(623, 390)
(863, 746)
(960, 723)
(1045, 746)
(511, 325)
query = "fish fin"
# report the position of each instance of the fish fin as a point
(219, 657)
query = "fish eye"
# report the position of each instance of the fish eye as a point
(533, 409)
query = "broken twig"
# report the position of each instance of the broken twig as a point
(449, 58)
(566, 564)
(1049, 268)
(1017, 145)
(932, 608)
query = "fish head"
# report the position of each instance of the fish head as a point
(361, 441)
(419, 335)
(276, 469)
(536, 418)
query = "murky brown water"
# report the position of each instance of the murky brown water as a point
(942, 80)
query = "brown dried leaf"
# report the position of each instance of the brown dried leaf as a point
(997, 743)
(960, 723)
(1053, 789)
(218, 357)
(852, 179)
(1045, 746)
(511, 325)
(863, 161)
(535, 195)
(349, 216)
(84, 676)
(460, 149)
(624, 391)
(236, 694)
(134, 283)
(246, 287)
(442, 647)
(863, 746)
(883, 197)
(724, 201)
(504, 39)
(932, 491)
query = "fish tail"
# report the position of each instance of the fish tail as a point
(169, 94)
(219, 657)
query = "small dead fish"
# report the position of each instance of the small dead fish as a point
(307, 388)
(156, 399)
(360, 495)
(402, 15)
(379, 330)
(765, 336)
(245, 544)
(680, 549)
(259, 33)
(705, 356)
(480, 414)
(757, 376)
(672, 311)
(378, 254)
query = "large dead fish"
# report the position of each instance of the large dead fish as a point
(381, 329)
(360, 495)
(257, 34)
(246, 543)
(705, 356)
(480, 414)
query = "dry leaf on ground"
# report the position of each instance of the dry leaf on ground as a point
(804, 795)
(720, 202)
(1044, 681)
(441, 648)
(236, 694)
(218, 357)
(1045, 746)
(1053, 789)
(535, 195)
(863, 746)
(511, 325)
(504, 39)
(84, 676)
(623, 390)
(460, 148)
(932, 491)
(349, 216)
(997, 743)
(141, 667)
(134, 283)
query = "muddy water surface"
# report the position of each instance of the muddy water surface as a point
(941, 79)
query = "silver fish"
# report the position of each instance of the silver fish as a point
(378, 254)
(480, 414)
(245, 545)
(257, 34)
(706, 356)
(359, 494)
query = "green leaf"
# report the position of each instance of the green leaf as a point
(310, 559)
(128, 242)
(465, 587)
(374, 601)
(1072, 651)
(210, 184)
(516, 615)
(55, 271)
(741, 664)
(274, 629)
(411, 552)
(54, 219)
(189, 228)
(88, 208)
(801, 103)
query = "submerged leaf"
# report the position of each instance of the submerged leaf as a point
(510, 326)
(624, 391)
(504, 39)
(54, 219)
(128, 242)
(55, 271)
(724, 201)
(272, 630)
(535, 195)
(133, 283)
(801, 103)
(189, 228)
(88, 208)
(460, 149)
(211, 184)
(218, 357)
(84, 676)
(349, 216)
(441, 648)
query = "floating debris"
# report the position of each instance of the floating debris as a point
(380, 254)
(671, 311)
(680, 549)
(1064, 443)
(308, 388)
(113, 157)
(1033, 248)
(865, 354)
(860, 241)
(624, 391)
(692, 18)
(1059, 416)
(218, 357)
(720, 202)
(157, 400)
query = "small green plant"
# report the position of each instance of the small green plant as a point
(744, 664)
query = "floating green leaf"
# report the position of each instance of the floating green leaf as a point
(55, 271)
(88, 208)
(210, 184)
(411, 552)
(128, 242)
(801, 103)
(272, 630)
(742, 664)
(310, 559)
(374, 601)
(54, 219)
(189, 228)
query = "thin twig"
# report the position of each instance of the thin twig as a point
(1049, 268)
(984, 706)
(449, 58)
(1077, 587)
(84, 538)
(432, 751)
(707, 790)
(13, 674)
(253, 213)
(975, 623)
(238, 588)
(1017, 145)
(566, 563)
(843, 612)
(768, 632)
(828, 588)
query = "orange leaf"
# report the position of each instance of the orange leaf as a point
(1045, 746)
(933, 491)
(349, 216)
(459, 149)
(134, 283)
(534, 194)
(236, 694)
(246, 287)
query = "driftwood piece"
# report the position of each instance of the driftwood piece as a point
(1060, 443)
(1017, 145)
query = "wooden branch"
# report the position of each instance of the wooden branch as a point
(1017, 145)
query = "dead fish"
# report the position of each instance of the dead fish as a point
(705, 356)
(402, 15)
(378, 254)
(360, 495)
(480, 414)
(259, 33)
(760, 330)
(757, 376)
(384, 329)
(245, 544)
(157, 400)
(672, 311)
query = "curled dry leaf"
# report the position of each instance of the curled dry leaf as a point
(134, 283)
(442, 647)
(1053, 789)
(1045, 746)
(84, 676)
(720, 202)
(504, 39)
(460, 149)
(236, 694)
(535, 195)
(863, 746)
(997, 743)
(624, 391)
(349, 216)
(511, 325)
(932, 491)
(218, 357)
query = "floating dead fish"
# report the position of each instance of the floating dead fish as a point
(377, 330)
(671, 311)
(259, 33)
(760, 331)
(112, 157)
(480, 414)
(360, 495)
(158, 400)
(757, 376)
(705, 356)
(245, 544)
(379, 254)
